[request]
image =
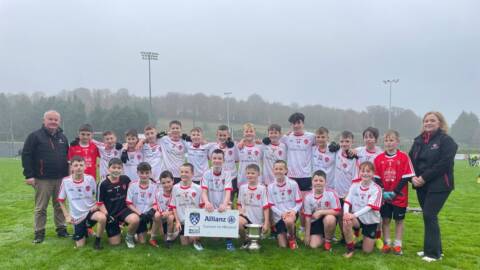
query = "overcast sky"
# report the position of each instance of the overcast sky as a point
(334, 53)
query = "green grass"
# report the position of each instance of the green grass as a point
(459, 222)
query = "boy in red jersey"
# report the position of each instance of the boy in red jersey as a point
(85, 148)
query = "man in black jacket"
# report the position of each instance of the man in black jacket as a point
(44, 161)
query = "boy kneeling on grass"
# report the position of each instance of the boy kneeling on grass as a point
(141, 200)
(163, 198)
(322, 207)
(80, 190)
(364, 199)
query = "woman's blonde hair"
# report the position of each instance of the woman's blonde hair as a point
(443, 123)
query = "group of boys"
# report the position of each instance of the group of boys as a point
(147, 185)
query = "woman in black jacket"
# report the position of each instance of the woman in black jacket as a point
(433, 154)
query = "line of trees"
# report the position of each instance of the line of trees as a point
(120, 110)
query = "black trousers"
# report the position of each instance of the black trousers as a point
(431, 204)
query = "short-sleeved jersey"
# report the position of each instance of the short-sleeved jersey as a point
(299, 154)
(130, 167)
(152, 153)
(248, 154)
(173, 154)
(113, 195)
(185, 197)
(106, 154)
(162, 200)
(328, 200)
(324, 160)
(89, 153)
(272, 153)
(143, 198)
(253, 201)
(345, 171)
(216, 185)
(230, 158)
(197, 155)
(283, 197)
(366, 155)
(391, 170)
(361, 196)
(80, 196)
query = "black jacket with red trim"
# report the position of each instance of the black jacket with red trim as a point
(433, 158)
(44, 155)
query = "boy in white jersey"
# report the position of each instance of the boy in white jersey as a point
(131, 157)
(322, 208)
(362, 209)
(197, 153)
(225, 143)
(152, 151)
(162, 202)
(186, 195)
(141, 199)
(107, 149)
(323, 156)
(248, 152)
(80, 191)
(174, 149)
(370, 150)
(346, 165)
(217, 188)
(285, 202)
(252, 203)
(273, 150)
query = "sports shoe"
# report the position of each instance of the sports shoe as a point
(97, 244)
(245, 245)
(198, 246)
(230, 246)
(397, 250)
(153, 243)
(422, 254)
(430, 259)
(379, 244)
(39, 237)
(348, 254)
(328, 246)
(130, 241)
(62, 232)
(91, 232)
(292, 244)
(386, 248)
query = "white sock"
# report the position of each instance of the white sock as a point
(388, 241)
(398, 243)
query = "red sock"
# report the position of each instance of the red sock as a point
(351, 246)
(378, 234)
(356, 232)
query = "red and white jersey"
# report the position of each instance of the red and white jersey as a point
(173, 154)
(197, 155)
(366, 155)
(89, 153)
(230, 158)
(299, 154)
(345, 171)
(185, 197)
(360, 196)
(143, 198)
(324, 160)
(328, 200)
(253, 201)
(152, 153)
(249, 154)
(81, 196)
(162, 200)
(272, 153)
(106, 154)
(391, 170)
(283, 198)
(130, 167)
(216, 185)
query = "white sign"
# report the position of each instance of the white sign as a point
(199, 222)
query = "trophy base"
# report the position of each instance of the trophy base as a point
(254, 246)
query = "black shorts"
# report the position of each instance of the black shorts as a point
(165, 227)
(317, 227)
(305, 184)
(281, 227)
(234, 189)
(182, 230)
(342, 202)
(368, 230)
(176, 180)
(246, 218)
(390, 211)
(144, 224)
(113, 228)
(81, 229)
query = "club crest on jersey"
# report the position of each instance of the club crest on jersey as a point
(327, 204)
(259, 196)
(124, 186)
(344, 165)
(305, 141)
(180, 147)
(280, 152)
(230, 152)
(194, 194)
(327, 159)
(256, 153)
(87, 188)
(289, 191)
(435, 146)
(194, 218)
(139, 157)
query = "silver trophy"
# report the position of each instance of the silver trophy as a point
(254, 233)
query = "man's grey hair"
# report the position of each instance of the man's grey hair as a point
(50, 112)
